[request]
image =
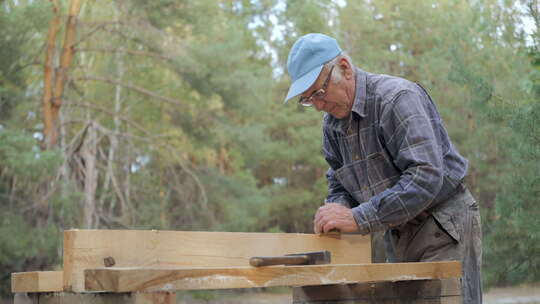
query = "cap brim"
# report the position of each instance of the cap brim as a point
(303, 83)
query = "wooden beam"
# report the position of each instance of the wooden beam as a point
(87, 249)
(95, 298)
(36, 281)
(168, 279)
(421, 291)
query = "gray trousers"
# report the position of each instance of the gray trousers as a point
(450, 231)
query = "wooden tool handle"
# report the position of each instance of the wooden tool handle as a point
(282, 260)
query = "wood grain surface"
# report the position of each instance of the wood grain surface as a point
(36, 281)
(87, 249)
(189, 278)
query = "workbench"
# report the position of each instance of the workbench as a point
(137, 266)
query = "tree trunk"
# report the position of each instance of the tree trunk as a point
(61, 75)
(127, 215)
(48, 124)
(88, 153)
(119, 64)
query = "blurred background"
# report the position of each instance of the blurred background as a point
(168, 115)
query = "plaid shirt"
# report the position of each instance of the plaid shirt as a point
(391, 158)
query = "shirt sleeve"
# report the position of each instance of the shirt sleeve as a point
(407, 128)
(336, 191)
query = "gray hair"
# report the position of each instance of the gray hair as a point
(337, 73)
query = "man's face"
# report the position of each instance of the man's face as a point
(327, 96)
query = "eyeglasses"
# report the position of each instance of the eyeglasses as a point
(319, 94)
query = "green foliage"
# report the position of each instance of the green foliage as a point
(23, 158)
(513, 247)
(250, 204)
(18, 26)
(25, 241)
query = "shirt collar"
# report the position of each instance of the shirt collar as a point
(359, 105)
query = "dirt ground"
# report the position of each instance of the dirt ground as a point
(529, 294)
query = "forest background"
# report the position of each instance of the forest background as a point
(169, 115)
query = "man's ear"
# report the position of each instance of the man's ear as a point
(346, 68)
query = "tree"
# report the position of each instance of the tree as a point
(513, 247)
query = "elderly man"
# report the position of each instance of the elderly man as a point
(392, 165)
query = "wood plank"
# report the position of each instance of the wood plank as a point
(95, 298)
(436, 291)
(86, 249)
(36, 281)
(168, 279)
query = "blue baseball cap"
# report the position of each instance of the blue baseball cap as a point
(306, 60)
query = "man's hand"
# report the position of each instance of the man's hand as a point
(334, 216)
